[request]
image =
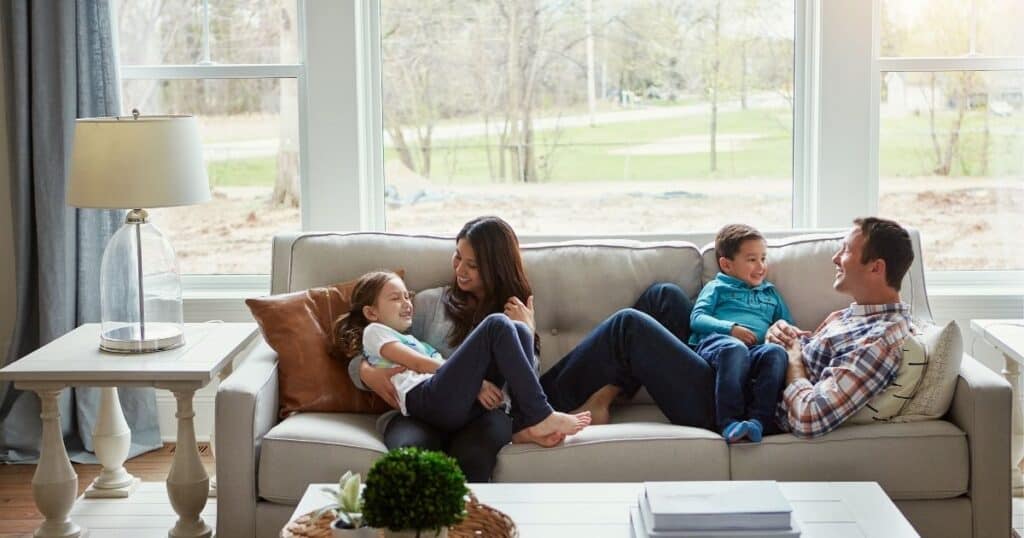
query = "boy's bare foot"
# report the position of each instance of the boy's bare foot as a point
(563, 423)
(524, 436)
(599, 404)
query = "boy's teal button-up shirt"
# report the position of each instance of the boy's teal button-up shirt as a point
(728, 301)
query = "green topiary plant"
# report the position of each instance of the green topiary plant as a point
(414, 489)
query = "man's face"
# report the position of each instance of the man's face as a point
(852, 276)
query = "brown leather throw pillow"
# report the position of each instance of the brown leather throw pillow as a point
(310, 377)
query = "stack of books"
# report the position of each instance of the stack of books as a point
(712, 510)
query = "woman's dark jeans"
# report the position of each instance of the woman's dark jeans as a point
(640, 346)
(448, 399)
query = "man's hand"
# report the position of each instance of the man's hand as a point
(490, 395)
(379, 381)
(784, 334)
(518, 311)
(795, 367)
(744, 335)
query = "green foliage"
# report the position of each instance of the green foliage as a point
(414, 489)
(347, 500)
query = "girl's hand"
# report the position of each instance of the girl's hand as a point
(516, 310)
(379, 381)
(490, 395)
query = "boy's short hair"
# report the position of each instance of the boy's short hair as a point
(731, 237)
(887, 240)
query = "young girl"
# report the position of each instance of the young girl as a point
(439, 392)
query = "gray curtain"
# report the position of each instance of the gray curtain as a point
(59, 64)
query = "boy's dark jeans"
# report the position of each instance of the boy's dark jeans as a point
(448, 400)
(640, 346)
(748, 381)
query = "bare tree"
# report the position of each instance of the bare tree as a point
(286, 184)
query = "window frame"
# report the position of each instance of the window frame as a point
(835, 119)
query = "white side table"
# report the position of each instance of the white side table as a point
(76, 360)
(1007, 336)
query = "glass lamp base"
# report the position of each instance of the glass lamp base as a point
(128, 339)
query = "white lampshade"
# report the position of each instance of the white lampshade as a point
(130, 162)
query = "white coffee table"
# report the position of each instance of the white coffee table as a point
(76, 360)
(598, 510)
(1007, 336)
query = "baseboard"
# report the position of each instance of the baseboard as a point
(167, 406)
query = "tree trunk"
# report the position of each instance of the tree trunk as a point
(286, 185)
(713, 86)
(398, 141)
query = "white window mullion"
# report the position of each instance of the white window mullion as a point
(805, 113)
(342, 184)
(845, 178)
(961, 63)
(212, 71)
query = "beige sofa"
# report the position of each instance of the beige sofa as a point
(949, 477)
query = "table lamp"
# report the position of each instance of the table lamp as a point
(135, 162)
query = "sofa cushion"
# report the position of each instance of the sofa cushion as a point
(944, 345)
(565, 276)
(922, 460)
(891, 401)
(315, 447)
(639, 445)
(298, 326)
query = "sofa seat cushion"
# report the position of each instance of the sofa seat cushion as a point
(315, 447)
(639, 445)
(921, 460)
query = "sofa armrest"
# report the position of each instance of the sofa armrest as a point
(246, 409)
(982, 409)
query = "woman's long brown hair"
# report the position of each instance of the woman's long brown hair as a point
(348, 328)
(496, 248)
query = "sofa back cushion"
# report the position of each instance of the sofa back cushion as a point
(577, 285)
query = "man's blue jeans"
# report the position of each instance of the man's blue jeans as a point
(640, 346)
(748, 381)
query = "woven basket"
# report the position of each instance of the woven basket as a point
(481, 521)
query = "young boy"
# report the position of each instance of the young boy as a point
(727, 329)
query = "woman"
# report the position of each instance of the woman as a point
(488, 278)
(639, 346)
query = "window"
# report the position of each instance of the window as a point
(235, 66)
(951, 128)
(588, 116)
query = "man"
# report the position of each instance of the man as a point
(855, 353)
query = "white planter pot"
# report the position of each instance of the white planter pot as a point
(361, 532)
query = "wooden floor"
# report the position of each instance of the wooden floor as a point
(18, 514)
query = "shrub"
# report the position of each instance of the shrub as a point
(414, 489)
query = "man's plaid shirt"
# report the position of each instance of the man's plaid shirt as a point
(853, 356)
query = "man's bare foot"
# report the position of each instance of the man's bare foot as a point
(563, 423)
(524, 436)
(599, 404)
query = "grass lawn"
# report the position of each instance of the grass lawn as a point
(610, 152)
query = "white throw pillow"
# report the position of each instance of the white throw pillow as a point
(945, 352)
(894, 398)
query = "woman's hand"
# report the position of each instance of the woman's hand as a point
(379, 381)
(490, 395)
(516, 310)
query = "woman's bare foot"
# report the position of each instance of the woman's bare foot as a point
(599, 404)
(563, 423)
(523, 436)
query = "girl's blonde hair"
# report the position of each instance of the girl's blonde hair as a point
(348, 328)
